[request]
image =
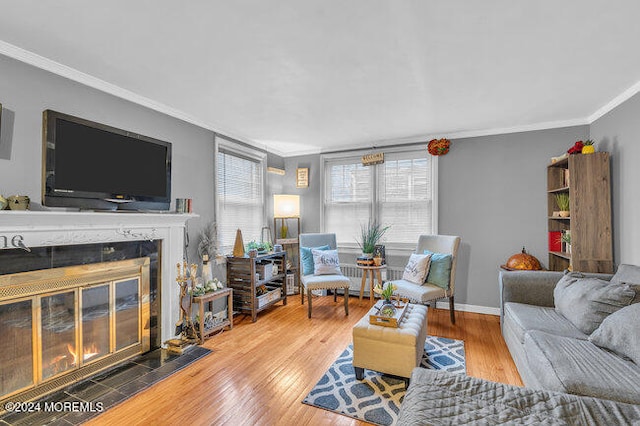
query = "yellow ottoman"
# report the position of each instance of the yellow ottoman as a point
(390, 350)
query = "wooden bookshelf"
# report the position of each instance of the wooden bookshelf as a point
(587, 180)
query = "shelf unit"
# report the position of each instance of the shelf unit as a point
(290, 244)
(206, 301)
(587, 180)
(241, 277)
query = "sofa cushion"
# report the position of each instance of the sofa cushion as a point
(306, 258)
(417, 268)
(439, 269)
(580, 367)
(587, 301)
(522, 318)
(629, 274)
(619, 333)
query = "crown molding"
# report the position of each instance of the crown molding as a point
(73, 74)
(622, 97)
(78, 76)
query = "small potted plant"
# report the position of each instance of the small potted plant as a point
(370, 235)
(208, 250)
(566, 239)
(562, 200)
(387, 309)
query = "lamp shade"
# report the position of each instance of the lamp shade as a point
(286, 205)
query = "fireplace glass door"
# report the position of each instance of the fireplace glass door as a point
(70, 322)
(16, 357)
(96, 335)
(127, 313)
(58, 333)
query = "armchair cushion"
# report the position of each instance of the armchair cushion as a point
(417, 268)
(418, 293)
(439, 269)
(326, 262)
(306, 258)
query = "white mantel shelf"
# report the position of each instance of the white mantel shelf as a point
(57, 227)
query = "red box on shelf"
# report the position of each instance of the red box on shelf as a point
(555, 241)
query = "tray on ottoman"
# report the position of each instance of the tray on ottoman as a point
(376, 318)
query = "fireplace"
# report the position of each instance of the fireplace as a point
(63, 324)
(59, 349)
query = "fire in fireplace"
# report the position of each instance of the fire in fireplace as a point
(67, 323)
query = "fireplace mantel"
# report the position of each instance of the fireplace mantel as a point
(55, 228)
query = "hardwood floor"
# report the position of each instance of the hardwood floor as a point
(259, 372)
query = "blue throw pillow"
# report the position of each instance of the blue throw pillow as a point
(306, 258)
(440, 269)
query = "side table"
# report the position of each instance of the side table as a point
(208, 300)
(371, 272)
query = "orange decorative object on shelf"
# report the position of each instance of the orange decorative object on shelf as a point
(522, 262)
(438, 146)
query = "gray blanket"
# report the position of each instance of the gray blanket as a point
(441, 398)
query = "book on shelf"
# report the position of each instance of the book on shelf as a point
(555, 241)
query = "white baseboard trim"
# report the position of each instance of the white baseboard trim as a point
(470, 308)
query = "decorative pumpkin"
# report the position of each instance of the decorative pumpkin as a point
(523, 261)
(438, 146)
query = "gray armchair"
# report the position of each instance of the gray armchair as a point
(447, 244)
(311, 282)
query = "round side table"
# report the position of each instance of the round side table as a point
(372, 273)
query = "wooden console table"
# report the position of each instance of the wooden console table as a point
(208, 300)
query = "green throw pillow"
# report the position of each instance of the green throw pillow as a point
(440, 269)
(306, 258)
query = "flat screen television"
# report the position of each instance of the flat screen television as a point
(94, 166)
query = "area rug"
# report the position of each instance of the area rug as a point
(377, 398)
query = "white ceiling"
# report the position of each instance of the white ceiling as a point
(301, 76)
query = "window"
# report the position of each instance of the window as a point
(240, 194)
(399, 192)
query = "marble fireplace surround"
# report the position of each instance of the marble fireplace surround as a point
(57, 228)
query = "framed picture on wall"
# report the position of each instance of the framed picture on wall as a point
(302, 177)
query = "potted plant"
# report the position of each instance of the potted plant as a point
(208, 250)
(387, 309)
(566, 239)
(562, 200)
(370, 235)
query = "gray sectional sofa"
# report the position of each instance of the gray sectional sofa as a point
(583, 340)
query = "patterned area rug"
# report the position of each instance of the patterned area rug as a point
(377, 398)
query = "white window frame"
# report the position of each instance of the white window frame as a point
(374, 206)
(222, 143)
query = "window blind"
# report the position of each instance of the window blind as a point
(240, 198)
(405, 196)
(347, 198)
(397, 193)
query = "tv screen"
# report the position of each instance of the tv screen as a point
(94, 166)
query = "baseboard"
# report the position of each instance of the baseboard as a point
(470, 308)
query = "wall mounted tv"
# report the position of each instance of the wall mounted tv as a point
(93, 166)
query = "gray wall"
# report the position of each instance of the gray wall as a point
(492, 192)
(26, 91)
(310, 198)
(619, 133)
